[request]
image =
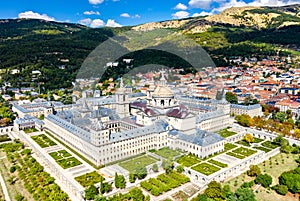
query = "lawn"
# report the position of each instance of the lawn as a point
(43, 141)
(206, 168)
(218, 163)
(132, 164)
(244, 151)
(89, 179)
(167, 153)
(275, 166)
(229, 146)
(266, 150)
(226, 133)
(236, 155)
(188, 160)
(65, 159)
(4, 138)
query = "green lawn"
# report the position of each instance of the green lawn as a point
(244, 151)
(167, 153)
(229, 146)
(235, 155)
(262, 148)
(226, 133)
(188, 160)
(206, 168)
(142, 161)
(89, 179)
(218, 163)
(43, 141)
(65, 159)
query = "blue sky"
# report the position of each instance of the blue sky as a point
(97, 13)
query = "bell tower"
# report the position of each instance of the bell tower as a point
(122, 102)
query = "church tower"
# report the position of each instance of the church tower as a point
(122, 102)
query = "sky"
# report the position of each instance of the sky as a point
(115, 13)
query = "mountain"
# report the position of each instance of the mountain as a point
(57, 50)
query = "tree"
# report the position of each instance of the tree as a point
(179, 169)
(132, 178)
(245, 194)
(91, 192)
(214, 191)
(244, 120)
(249, 138)
(264, 179)
(155, 168)
(168, 166)
(280, 116)
(281, 189)
(120, 181)
(141, 172)
(253, 171)
(137, 194)
(231, 97)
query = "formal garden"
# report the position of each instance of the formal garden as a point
(167, 153)
(30, 130)
(217, 163)
(26, 173)
(65, 159)
(164, 182)
(135, 163)
(205, 168)
(43, 141)
(188, 160)
(89, 179)
(241, 152)
(226, 133)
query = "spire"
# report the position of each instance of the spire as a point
(163, 80)
(121, 83)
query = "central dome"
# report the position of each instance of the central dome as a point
(163, 92)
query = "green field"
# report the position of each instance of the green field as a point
(135, 163)
(226, 133)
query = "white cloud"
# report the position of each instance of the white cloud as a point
(204, 4)
(273, 2)
(180, 6)
(97, 23)
(203, 13)
(231, 3)
(125, 15)
(136, 16)
(86, 21)
(180, 14)
(33, 15)
(95, 2)
(112, 23)
(91, 12)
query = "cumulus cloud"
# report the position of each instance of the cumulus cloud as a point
(180, 14)
(204, 4)
(91, 12)
(86, 21)
(112, 23)
(125, 15)
(180, 6)
(97, 23)
(33, 15)
(203, 13)
(273, 2)
(95, 2)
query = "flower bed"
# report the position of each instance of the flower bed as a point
(244, 151)
(43, 141)
(222, 165)
(188, 160)
(89, 179)
(206, 168)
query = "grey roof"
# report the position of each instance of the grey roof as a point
(158, 127)
(209, 115)
(245, 107)
(201, 137)
(28, 119)
(103, 100)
